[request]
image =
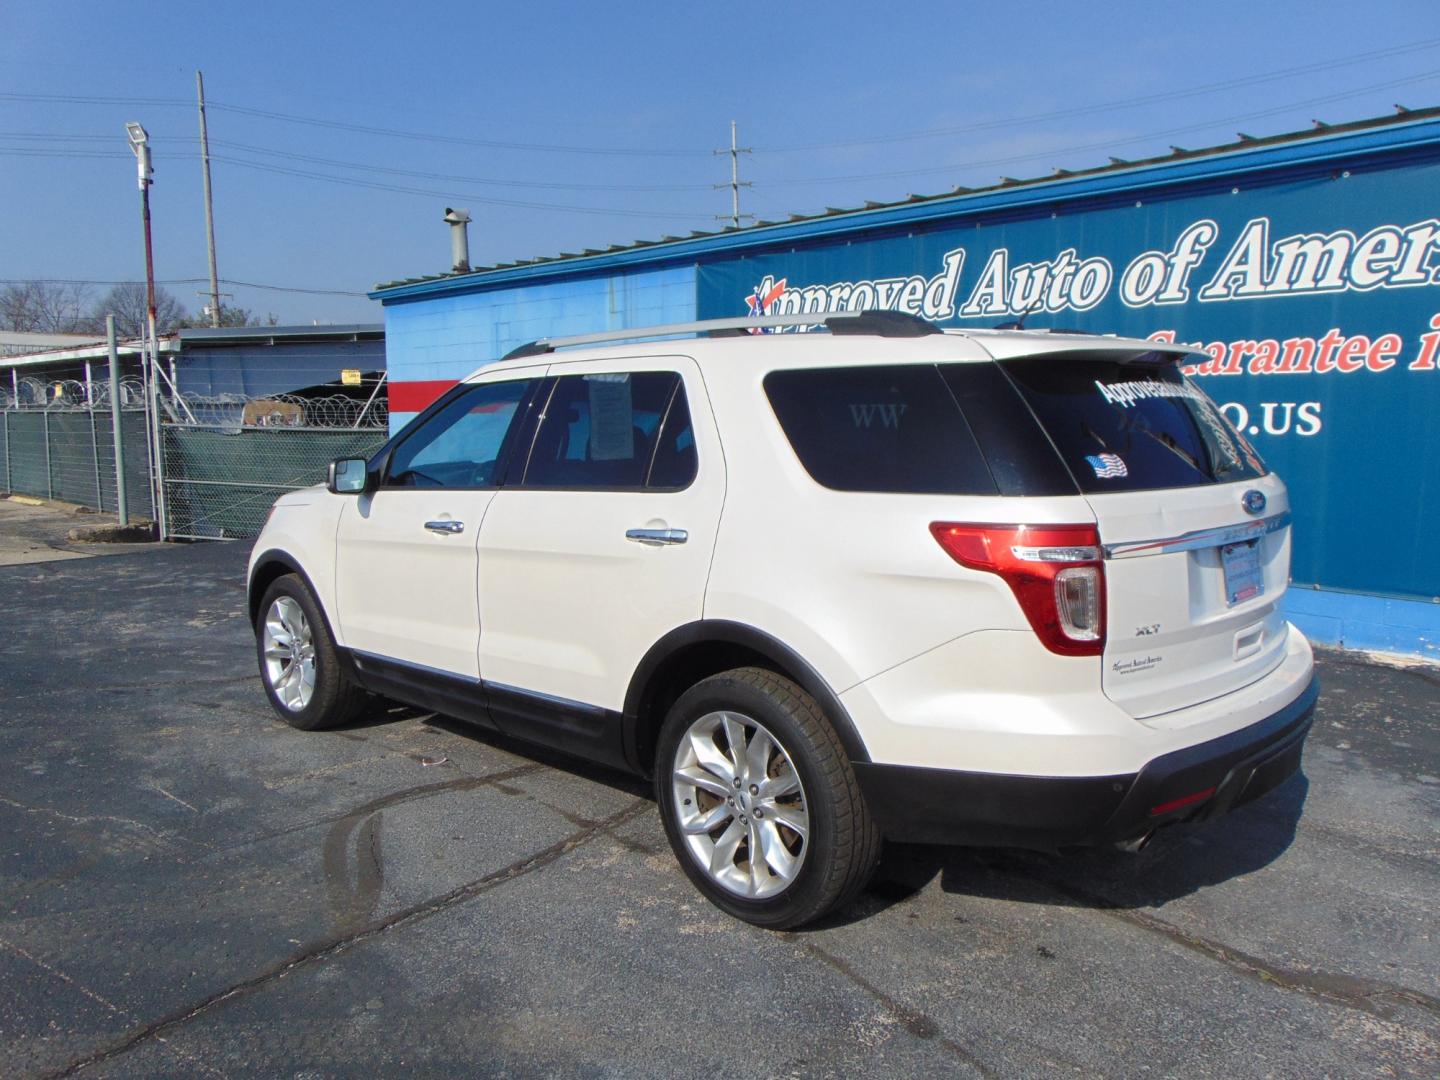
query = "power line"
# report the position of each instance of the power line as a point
(377, 186)
(368, 129)
(1106, 144)
(26, 151)
(549, 185)
(492, 144)
(1110, 106)
(268, 151)
(78, 99)
(180, 281)
(471, 196)
(1007, 122)
(56, 135)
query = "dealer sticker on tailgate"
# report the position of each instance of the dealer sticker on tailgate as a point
(1242, 571)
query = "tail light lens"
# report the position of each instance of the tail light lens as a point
(1055, 572)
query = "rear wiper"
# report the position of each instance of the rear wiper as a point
(1086, 429)
(1164, 438)
(1167, 440)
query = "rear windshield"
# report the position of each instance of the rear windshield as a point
(1131, 423)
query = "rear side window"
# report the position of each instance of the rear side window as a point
(1131, 423)
(891, 428)
(604, 431)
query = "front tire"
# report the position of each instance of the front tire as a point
(305, 680)
(759, 801)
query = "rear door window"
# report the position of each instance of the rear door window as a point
(1131, 422)
(602, 430)
(675, 462)
(892, 428)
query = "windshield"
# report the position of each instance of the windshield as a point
(1124, 422)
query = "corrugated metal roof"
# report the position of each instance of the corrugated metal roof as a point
(959, 195)
(97, 351)
(248, 335)
(203, 337)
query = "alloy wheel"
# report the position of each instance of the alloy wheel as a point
(740, 805)
(289, 653)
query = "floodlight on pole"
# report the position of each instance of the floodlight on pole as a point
(140, 144)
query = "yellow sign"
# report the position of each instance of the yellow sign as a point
(350, 377)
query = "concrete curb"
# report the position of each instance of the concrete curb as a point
(139, 532)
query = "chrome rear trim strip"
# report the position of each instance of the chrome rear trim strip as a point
(1201, 538)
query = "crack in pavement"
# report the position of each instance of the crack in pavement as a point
(467, 782)
(104, 1002)
(1349, 991)
(353, 904)
(333, 946)
(163, 838)
(912, 1020)
(150, 687)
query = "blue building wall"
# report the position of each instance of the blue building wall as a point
(433, 343)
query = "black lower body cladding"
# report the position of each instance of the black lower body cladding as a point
(947, 806)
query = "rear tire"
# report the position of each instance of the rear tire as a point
(306, 681)
(747, 762)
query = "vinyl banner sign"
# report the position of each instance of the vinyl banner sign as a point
(1316, 300)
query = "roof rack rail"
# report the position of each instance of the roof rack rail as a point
(876, 323)
(1017, 325)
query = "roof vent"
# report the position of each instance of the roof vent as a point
(458, 220)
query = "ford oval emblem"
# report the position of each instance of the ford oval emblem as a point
(1253, 501)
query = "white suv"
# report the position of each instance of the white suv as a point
(1004, 587)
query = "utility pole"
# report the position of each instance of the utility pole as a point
(735, 182)
(209, 205)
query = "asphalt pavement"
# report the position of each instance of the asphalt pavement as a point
(189, 887)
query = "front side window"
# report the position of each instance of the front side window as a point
(459, 446)
(603, 431)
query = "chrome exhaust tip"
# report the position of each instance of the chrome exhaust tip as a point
(1137, 845)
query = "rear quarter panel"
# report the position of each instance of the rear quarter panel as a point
(853, 581)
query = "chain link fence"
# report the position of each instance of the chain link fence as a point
(226, 459)
(57, 442)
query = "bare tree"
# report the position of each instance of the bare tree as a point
(44, 307)
(126, 302)
(232, 316)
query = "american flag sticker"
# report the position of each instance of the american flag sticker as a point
(1107, 466)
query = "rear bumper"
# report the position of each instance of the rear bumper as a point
(948, 806)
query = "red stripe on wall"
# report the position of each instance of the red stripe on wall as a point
(414, 396)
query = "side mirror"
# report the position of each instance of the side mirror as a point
(347, 476)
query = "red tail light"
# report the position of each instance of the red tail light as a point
(1055, 571)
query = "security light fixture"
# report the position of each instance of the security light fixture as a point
(140, 143)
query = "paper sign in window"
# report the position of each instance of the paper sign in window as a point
(612, 418)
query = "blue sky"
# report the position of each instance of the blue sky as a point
(489, 107)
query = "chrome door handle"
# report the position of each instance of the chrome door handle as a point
(657, 536)
(446, 526)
